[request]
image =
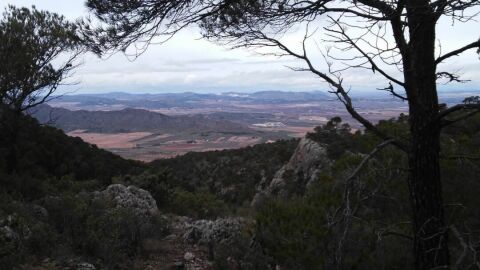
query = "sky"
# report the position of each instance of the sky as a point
(187, 63)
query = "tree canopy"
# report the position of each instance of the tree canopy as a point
(37, 52)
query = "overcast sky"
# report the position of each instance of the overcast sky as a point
(186, 63)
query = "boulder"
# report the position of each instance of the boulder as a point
(131, 197)
(213, 231)
(189, 256)
(85, 266)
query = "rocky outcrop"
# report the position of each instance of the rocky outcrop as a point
(302, 170)
(131, 197)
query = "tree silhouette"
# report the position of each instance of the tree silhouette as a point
(362, 34)
(37, 52)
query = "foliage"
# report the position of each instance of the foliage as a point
(232, 175)
(239, 253)
(378, 236)
(335, 135)
(32, 42)
(294, 233)
(314, 231)
(196, 204)
(172, 198)
(96, 228)
(25, 233)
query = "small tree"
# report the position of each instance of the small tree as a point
(37, 52)
(375, 34)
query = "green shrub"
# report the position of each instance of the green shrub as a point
(293, 233)
(95, 227)
(114, 235)
(196, 204)
(25, 235)
(239, 253)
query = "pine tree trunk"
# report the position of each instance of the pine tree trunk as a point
(425, 187)
(430, 235)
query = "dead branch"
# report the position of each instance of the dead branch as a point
(456, 52)
(390, 89)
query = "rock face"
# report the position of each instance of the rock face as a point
(307, 162)
(131, 197)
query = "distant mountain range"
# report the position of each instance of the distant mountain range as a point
(279, 96)
(131, 120)
(189, 99)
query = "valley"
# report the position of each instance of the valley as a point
(151, 126)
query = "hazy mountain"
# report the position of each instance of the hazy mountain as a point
(188, 99)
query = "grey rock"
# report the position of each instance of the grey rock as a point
(85, 266)
(131, 197)
(12, 233)
(9, 234)
(189, 256)
(213, 231)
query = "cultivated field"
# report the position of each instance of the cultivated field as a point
(110, 141)
(146, 146)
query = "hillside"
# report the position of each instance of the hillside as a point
(45, 152)
(131, 120)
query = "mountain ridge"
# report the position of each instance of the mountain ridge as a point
(130, 120)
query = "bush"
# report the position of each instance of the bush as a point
(95, 227)
(24, 235)
(239, 253)
(115, 235)
(197, 204)
(293, 233)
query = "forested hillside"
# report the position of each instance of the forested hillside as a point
(43, 152)
(58, 203)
